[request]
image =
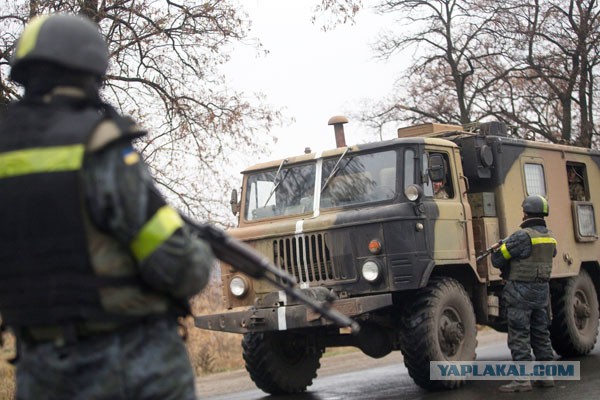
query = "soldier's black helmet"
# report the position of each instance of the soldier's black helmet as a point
(536, 205)
(68, 41)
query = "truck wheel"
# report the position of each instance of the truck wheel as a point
(281, 362)
(575, 324)
(438, 326)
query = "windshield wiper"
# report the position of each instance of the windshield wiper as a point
(276, 180)
(335, 170)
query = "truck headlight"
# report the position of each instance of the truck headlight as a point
(371, 271)
(238, 286)
(413, 192)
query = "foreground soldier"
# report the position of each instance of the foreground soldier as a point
(95, 267)
(526, 262)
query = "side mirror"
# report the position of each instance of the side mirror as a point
(235, 205)
(436, 168)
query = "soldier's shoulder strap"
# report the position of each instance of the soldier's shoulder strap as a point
(112, 128)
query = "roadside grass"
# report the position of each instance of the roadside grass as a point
(212, 351)
(7, 371)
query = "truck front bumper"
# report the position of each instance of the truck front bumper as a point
(284, 317)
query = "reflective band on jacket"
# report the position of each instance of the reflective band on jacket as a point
(534, 241)
(505, 252)
(41, 160)
(160, 227)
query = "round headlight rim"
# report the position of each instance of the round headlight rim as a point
(377, 271)
(244, 285)
(413, 193)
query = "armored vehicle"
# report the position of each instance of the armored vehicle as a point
(392, 231)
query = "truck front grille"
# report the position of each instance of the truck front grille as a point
(306, 257)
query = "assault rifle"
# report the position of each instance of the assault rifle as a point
(492, 249)
(244, 258)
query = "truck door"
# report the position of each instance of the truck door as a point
(450, 240)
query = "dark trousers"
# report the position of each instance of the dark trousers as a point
(527, 330)
(528, 320)
(145, 361)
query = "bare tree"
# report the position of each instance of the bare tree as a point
(531, 63)
(558, 42)
(330, 13)
(165, 72)
(454, 62)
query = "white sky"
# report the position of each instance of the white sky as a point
(313, 74)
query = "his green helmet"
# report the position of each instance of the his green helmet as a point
(536, 205)
(65, 40)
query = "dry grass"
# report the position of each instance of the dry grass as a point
(212, 351)
(7, 371)
(209, 351)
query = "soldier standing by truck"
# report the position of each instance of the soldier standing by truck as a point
(525, 259)
(95, 266)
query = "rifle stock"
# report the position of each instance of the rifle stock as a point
(247, 260)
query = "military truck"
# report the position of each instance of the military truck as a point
(362, 225)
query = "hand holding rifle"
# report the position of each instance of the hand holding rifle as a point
(492, 249)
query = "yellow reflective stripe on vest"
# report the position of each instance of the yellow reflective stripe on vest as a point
(534, 241)
(39, 160)
(505, 252)
(29, 36)
(160, 227)
(543, 240)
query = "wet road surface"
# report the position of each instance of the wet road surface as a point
(387, 378)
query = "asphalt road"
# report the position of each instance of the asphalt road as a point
(355, 376)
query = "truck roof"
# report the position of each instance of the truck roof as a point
(358, 147)
(547, 146)
(427, 133)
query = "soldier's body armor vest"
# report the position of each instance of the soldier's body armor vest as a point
(46, 276)
(538, 266)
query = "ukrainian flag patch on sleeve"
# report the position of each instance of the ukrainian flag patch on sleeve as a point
(130, 156)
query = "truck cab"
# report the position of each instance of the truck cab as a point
(391, 232)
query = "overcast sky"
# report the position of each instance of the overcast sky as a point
(312, 74)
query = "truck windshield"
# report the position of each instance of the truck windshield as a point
(288, 191)
(360, 179)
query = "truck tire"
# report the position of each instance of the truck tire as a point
(574, 326)
(280, 362)
(438, 326)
